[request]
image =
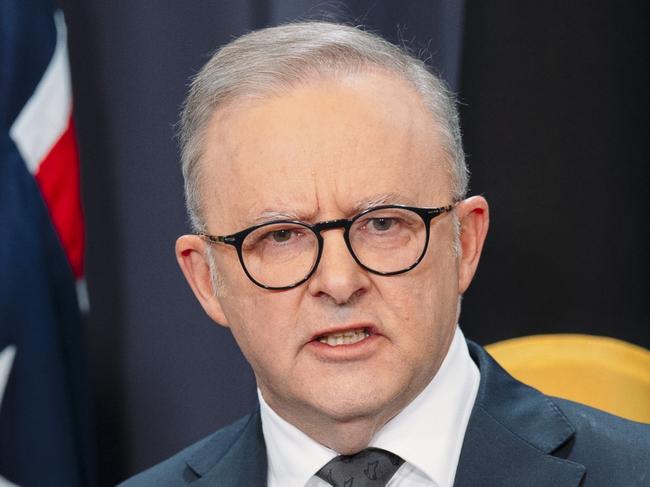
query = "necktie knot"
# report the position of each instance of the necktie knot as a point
(372, 467)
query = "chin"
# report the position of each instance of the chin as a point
(350, 406)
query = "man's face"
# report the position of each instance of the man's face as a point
(323, 151)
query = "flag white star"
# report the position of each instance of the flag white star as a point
(6, 361)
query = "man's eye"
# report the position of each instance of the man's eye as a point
(381, 224)
(281, 236)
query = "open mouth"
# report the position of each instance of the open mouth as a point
(348, 337)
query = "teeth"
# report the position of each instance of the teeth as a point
(345, 338)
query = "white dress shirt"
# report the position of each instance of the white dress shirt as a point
(428, 433)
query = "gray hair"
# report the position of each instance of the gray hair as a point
(273, 60)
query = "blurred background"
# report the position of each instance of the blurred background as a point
(554, 107)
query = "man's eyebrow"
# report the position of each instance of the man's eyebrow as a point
(275, 215)
(391, 198)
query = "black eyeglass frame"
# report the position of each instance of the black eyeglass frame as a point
(237, 239)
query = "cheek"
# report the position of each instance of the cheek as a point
(262, 323)
(425, 299)
(433, 284)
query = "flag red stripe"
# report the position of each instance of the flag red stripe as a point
(58, 179)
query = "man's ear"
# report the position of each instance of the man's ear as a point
(474, 217)
(191, 253)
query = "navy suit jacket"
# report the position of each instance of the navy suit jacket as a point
(516, 436)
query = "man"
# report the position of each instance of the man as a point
(326, 182)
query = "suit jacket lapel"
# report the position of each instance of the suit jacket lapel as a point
(240, 461)
(512, 433)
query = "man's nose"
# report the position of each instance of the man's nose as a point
(338, 275)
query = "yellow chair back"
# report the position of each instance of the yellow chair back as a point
(604, 373)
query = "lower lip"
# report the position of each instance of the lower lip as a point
(355, 351)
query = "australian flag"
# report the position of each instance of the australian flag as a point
(44, 427)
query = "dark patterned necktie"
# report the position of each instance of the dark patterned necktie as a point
(371, 467)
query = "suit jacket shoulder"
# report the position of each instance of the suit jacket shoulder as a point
(234, 455)
(518, 436)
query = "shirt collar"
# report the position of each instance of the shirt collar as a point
(428, 433)
(284, 444)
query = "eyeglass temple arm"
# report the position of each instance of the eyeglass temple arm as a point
(433, 212)
(230, 240)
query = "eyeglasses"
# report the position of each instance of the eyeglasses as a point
(385, 240)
